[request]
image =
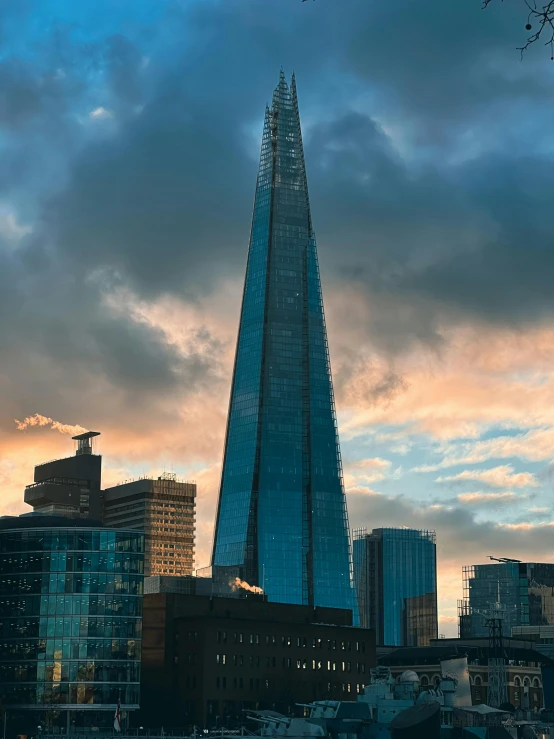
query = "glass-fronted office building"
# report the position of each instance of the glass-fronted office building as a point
(282, 521)
(525, 591)
(395, 571)
(70, 620)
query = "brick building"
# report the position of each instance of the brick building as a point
(523, 667)
(206, 659)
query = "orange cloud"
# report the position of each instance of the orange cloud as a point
(486, 498)
(502, 476)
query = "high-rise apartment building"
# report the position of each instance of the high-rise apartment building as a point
(70, 486)
(282, 521)
(525, 591)
(395, 571)
(165, 509)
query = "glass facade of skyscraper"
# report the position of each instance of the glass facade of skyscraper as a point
(70, 616)
(524, 589)
(395, 572)
(282, 520)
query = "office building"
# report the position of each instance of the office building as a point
(70, 486)
(395, 572)
(525, 591)
(205, 660)
(524, 668)
(186, 585)
(165, 510)
(70, 625)
(282, 520)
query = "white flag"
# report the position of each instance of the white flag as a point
(117, 717)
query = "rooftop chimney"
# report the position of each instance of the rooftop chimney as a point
(84, 442)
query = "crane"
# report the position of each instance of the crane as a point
(504, 560)
(494, 616)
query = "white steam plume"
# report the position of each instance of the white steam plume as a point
(238, 584)
(38, 420)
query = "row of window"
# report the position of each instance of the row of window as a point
(72, 694)
(54, 540)
(238, 661)
(286, 641)
(70, 627)
(69, 562)
(255, 683)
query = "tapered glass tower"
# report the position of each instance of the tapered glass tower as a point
(282, 521)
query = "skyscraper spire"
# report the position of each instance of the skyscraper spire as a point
(281, 520)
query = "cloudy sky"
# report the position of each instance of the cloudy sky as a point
(129, 134)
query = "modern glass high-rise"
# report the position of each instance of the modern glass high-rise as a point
(524, 589)
(70, 622)
(395, 571)
(282, 520)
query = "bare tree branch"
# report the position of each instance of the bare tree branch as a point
(540, 17)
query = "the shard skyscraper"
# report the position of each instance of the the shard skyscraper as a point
(282, 521)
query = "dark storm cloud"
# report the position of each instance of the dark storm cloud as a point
(166, 201)
(161, 196)
(475, 239)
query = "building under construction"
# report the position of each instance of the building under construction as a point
(525, 590)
